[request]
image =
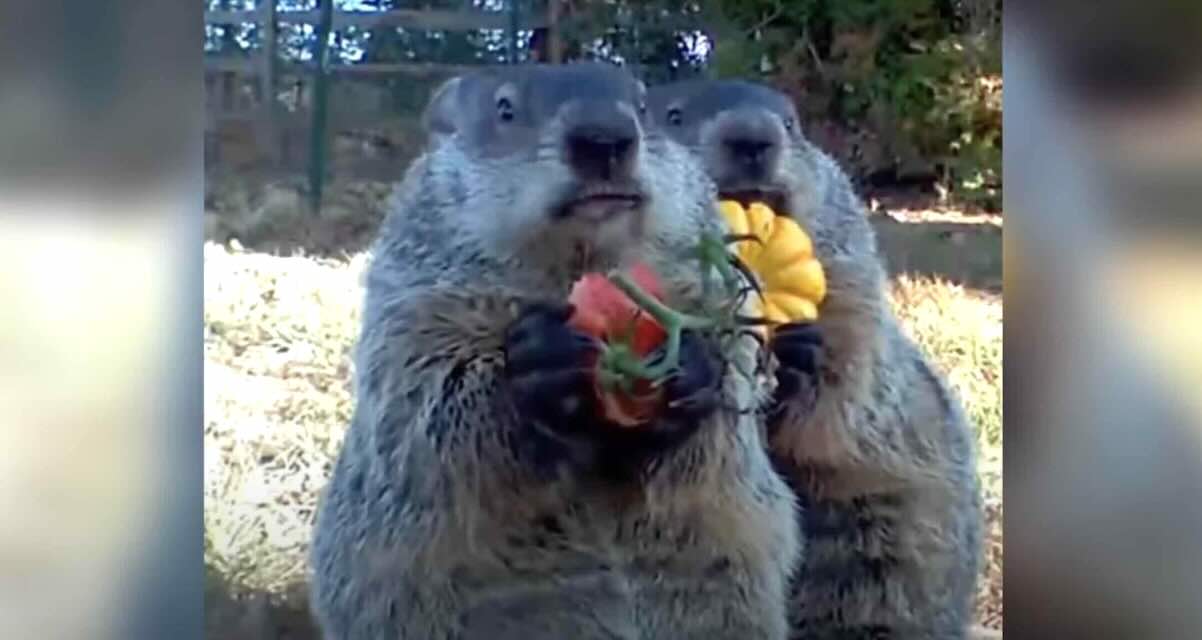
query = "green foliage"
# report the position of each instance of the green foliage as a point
(968, 105)
(913, 85)
(648, 37)
(734, 58)
(901, 88)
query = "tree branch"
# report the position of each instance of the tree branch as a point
(777, 9)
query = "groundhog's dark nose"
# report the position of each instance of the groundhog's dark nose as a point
(751, 154)
(751, 144)
(603, 146)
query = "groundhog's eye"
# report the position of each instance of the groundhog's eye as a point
(642, 107)
(674, 117)
(504, 109)
(789, 124)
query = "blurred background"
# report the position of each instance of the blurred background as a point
(1103, 346)
(318, 103)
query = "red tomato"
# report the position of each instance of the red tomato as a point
(603, 311)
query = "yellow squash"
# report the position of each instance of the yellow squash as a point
(791, 278)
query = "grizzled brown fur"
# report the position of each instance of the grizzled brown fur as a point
(439, 521)
(874, 443)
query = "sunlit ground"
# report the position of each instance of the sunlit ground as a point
(278, 331)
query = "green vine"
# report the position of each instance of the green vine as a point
(619, 365)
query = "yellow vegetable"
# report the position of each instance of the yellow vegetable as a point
(791, 278)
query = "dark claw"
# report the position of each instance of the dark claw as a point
(799, 350)
(800, 357)
(528, 340)
(550, 379)
(747, 274)
(748, 321)
(806, 331)
(798, 345)
(789, 382)
(556, 396)
(547, 365)
(694, 391)
(692, 394)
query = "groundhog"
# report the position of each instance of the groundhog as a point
(478, 493)
(866, 432)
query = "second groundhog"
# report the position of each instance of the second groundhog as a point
(478, 494)
(871, 438)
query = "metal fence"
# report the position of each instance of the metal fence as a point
(335, 87)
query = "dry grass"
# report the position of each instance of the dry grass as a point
(277, 331)
(277, 336)
(962, 329)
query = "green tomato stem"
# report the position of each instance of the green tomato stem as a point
(620, 366)
(623, 362)
(667, 317)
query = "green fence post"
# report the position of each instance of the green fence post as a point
(317, 148)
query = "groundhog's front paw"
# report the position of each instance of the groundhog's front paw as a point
(798, 350)
(547, 367)
(693, 392)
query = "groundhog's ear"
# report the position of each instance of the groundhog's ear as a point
(442, 112)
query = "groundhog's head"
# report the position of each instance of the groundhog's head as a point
(550, 158)
(746, 134)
